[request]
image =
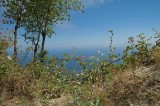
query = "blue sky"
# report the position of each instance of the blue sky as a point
(90, 29)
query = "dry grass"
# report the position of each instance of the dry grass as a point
(116, 88)
(156, 55)
(14, 86)
(126, 89)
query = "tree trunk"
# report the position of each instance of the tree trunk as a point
(15, 43)
(36, 48)
(42, 46)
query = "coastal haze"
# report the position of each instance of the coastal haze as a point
(87, 31)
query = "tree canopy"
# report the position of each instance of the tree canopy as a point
(38, 17)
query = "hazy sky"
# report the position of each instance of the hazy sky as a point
(90, 29)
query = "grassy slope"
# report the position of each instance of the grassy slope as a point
(34, 85)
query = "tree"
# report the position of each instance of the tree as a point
(38, 17)
(14, 14)
(43, 15)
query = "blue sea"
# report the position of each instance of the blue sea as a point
(72, 65)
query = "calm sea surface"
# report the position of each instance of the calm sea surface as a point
(71, 65)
